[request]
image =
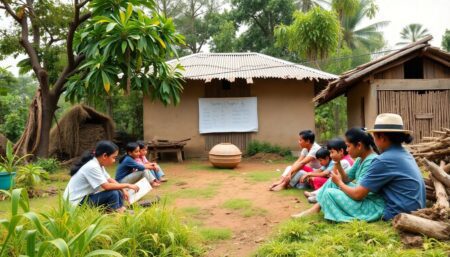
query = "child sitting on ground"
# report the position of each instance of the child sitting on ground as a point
(129, 171)
(318, 177)
(153, 167)
(338, 153)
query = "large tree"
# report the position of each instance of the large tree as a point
(412, 32)
(312, 36)
(261, 17)
(98, 44)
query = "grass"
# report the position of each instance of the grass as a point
(215, 234)
(314, 236)
(261, 176)
(244, 207)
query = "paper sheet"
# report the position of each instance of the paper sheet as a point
(144, 188)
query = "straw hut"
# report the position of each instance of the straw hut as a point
(237, 97)
(413, 82)
(79, 130)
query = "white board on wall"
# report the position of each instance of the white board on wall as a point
(231, 114)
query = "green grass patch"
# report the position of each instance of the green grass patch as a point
(244, 207)
(261, 176)
(291, 192)
(314, 236)
(237, 204)
(215, 234)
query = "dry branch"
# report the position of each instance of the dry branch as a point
(438, 172)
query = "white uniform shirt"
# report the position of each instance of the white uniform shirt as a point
(86, 181)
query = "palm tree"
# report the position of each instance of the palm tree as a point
(412, 33)
(369, 37)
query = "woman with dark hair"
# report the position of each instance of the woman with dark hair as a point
(89, 178)
(335, 203)
(129, 171)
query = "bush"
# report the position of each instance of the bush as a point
(51, 165)
(255, 147)
(82, 231)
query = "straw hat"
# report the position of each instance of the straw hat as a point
(389, 122)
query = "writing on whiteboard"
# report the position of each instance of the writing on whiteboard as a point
(232, 114)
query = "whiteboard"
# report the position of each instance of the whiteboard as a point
(233, 114)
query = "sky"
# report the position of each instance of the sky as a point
(432, 14)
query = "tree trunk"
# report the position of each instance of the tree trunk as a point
(411, 223)
(36, 136)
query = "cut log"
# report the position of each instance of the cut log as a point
(441, 193)
(414, 224)
(447, 168)
(438, 172)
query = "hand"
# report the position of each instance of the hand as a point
(304, 178)
(336, 177)
(125, 195)
(133, 187)
(154, 166)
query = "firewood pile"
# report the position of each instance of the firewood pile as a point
(434, 221)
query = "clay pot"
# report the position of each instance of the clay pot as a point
(225, 155)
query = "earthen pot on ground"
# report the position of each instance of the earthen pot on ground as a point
(225, 155)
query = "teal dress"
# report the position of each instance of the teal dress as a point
(338, 206)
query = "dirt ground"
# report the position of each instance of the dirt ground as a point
(250, 180)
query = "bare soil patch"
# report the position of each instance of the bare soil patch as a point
(198, 186)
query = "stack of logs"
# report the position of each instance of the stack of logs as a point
(433, 221)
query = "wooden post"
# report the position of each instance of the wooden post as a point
(411, 223)
(438, 173)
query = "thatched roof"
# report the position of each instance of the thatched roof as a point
(350, 78)
(79, 130)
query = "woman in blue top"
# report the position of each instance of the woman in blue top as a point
(129, 171)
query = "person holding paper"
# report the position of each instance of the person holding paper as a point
(91, 184)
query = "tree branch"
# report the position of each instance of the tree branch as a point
(58, 88)
(10, 11)
(34, 25)
(80, 5)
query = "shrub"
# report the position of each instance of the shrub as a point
(255, 147)
(83, 231)
(51, 165)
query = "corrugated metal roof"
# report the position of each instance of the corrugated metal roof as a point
(230, 66)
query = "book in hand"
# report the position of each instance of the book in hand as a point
(144, 188)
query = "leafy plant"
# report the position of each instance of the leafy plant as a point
(30, 175)
(51, 165)
(50, 234)
(255, 147)
(10, 161)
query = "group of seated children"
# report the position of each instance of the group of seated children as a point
(134, 166)
(383, 181)
(90, 183)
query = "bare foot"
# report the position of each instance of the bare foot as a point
(307, 194)
(155, 184)
(313, 210)
(278, 187)
(121, 209)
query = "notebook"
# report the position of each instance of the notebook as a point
(144, 188)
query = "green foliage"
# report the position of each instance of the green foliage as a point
(446, 40)
(260, 176)
(316, 237)
(312, 35)
(51, 165)
(10, 162)
(255, 147)
(224, 40)
(361, 39)
(345, 7)
(331, 119)
(79, 231)
(261, 17)
(340, 61)
(126, 47)
(30, 175)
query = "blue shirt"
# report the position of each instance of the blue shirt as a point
(395, 175)
(127, 166)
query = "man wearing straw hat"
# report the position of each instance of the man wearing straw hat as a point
(393, 174)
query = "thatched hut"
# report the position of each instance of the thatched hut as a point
(79, 130)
